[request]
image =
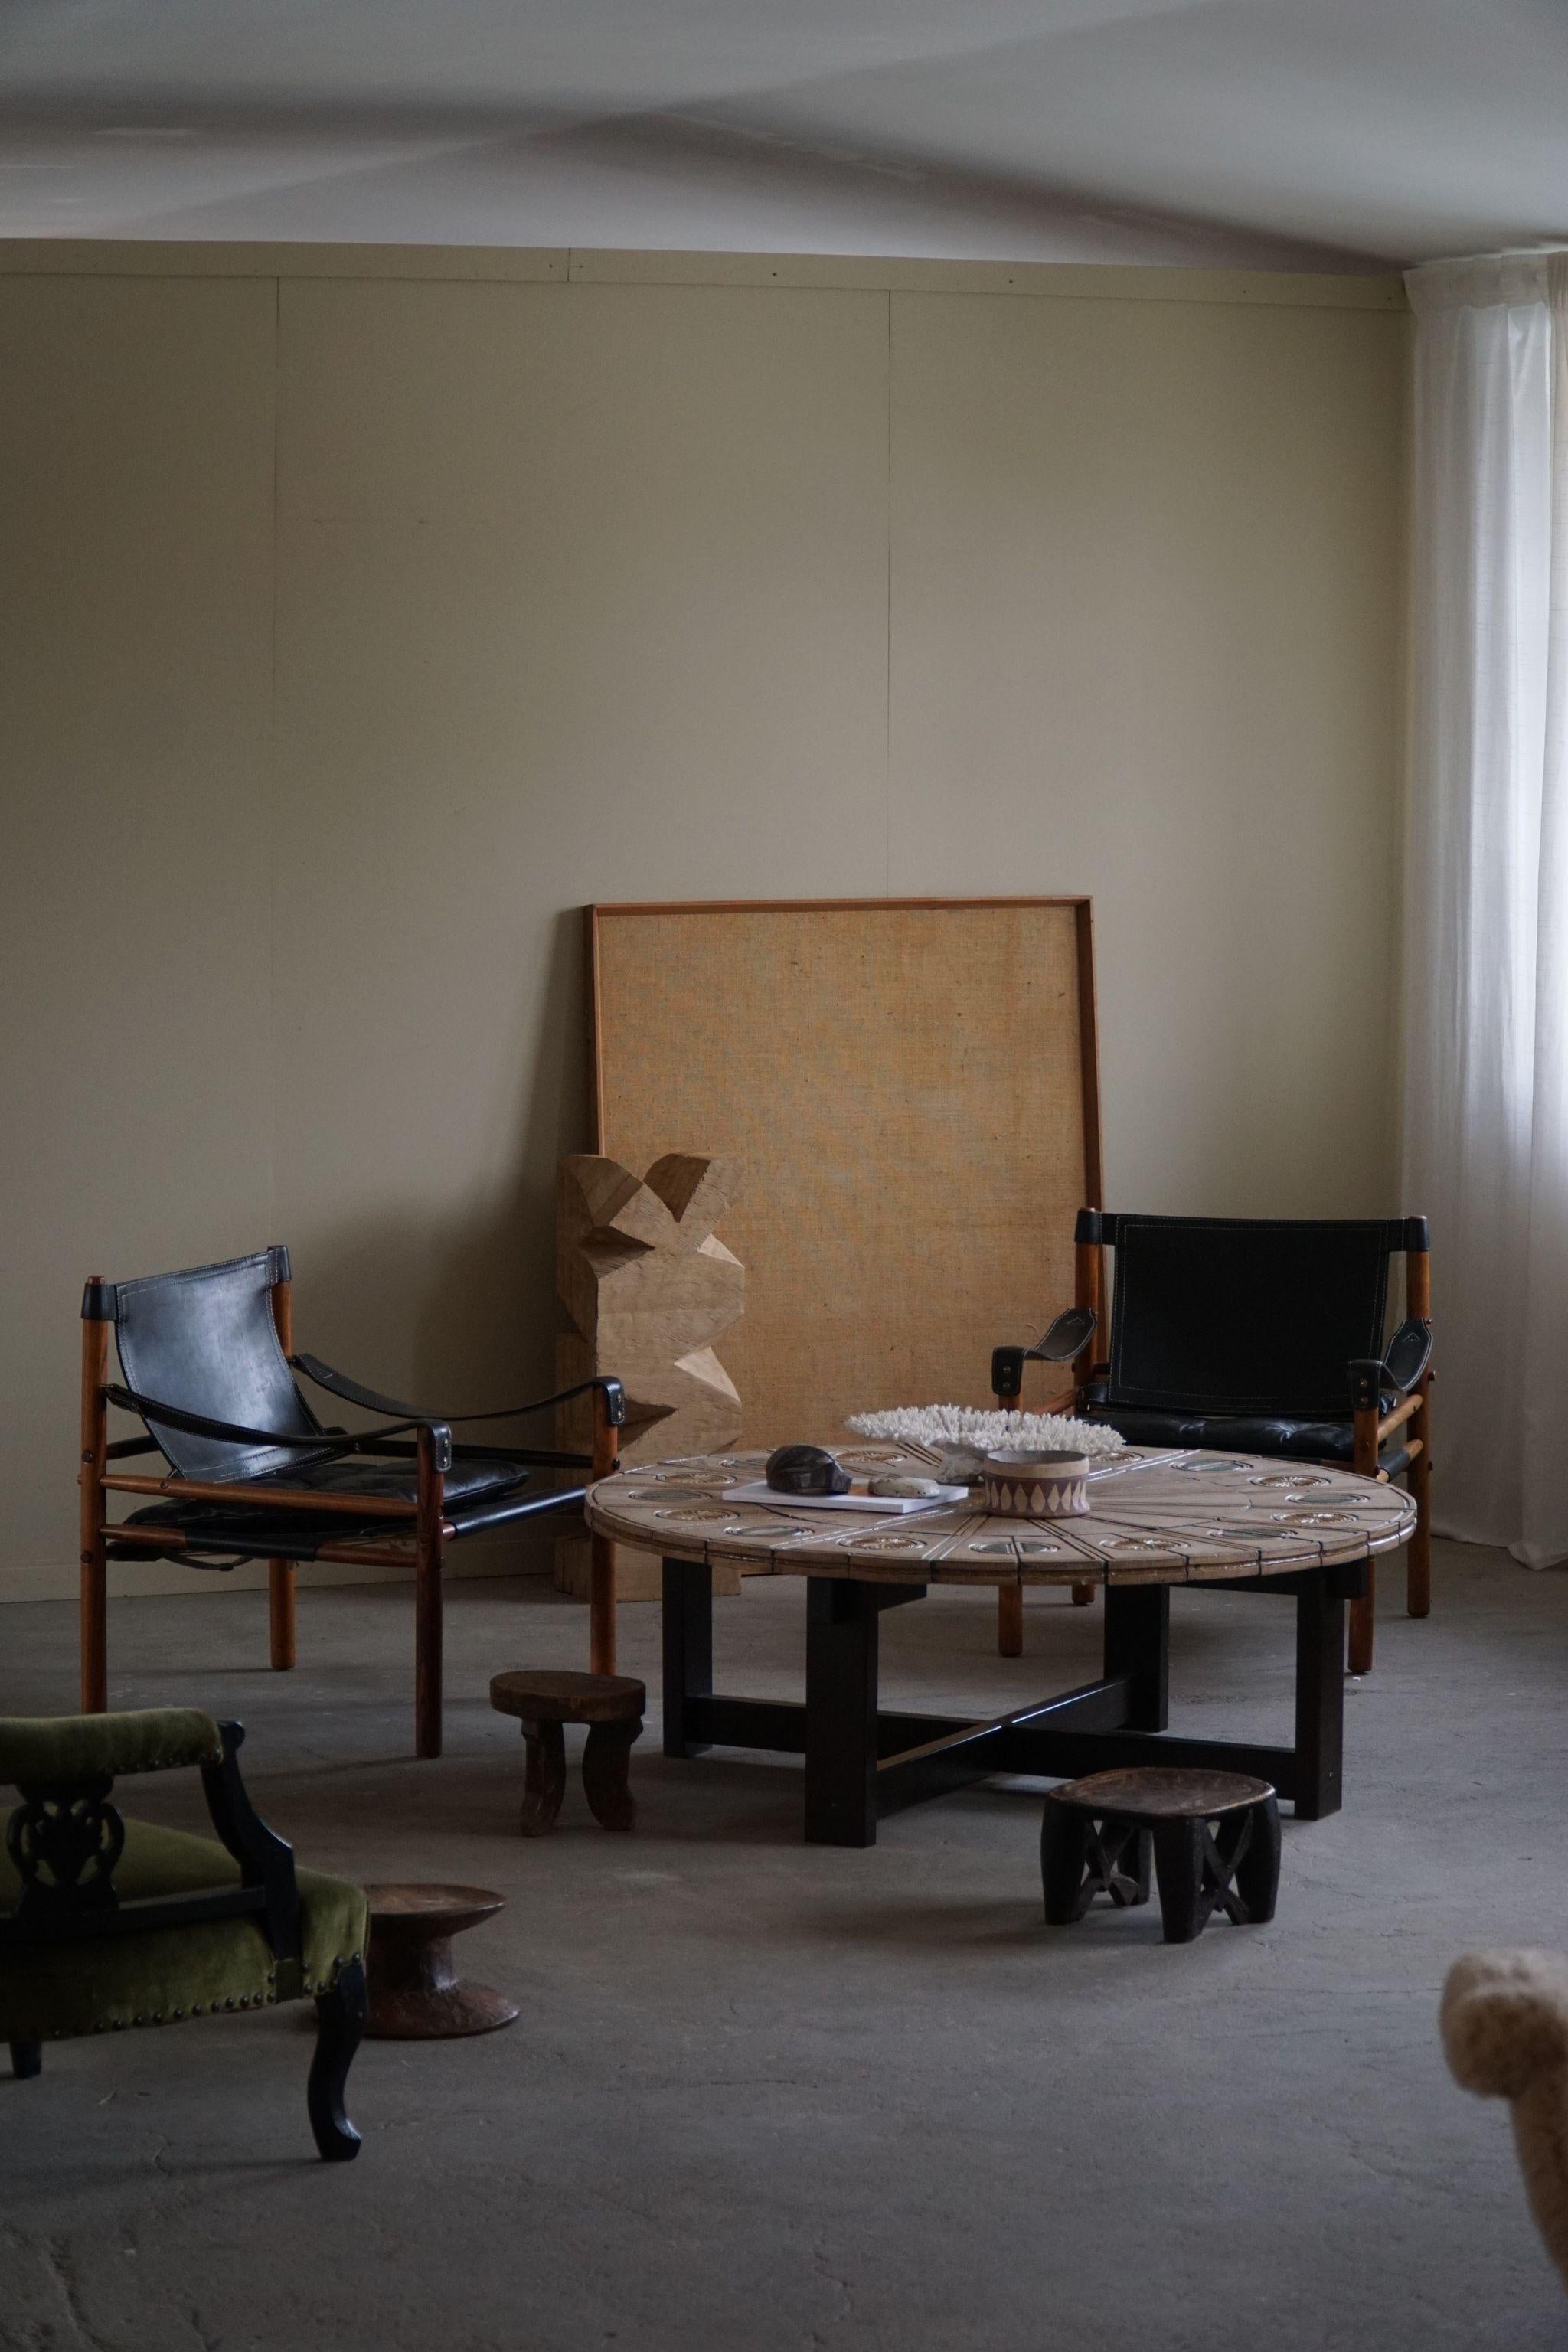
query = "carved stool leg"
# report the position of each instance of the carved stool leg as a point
(1257, 1864)
(1185, 1901)
(544, 1777)
(1080, 1858)
(341, 2018)
(607, 1760)
(26, 2060)
(1064, 1844)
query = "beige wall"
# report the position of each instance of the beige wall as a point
(363, 614)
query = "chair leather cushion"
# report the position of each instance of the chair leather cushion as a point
(167, 1974)
(251, 1525)
(1295, 1440)
(392, 1478)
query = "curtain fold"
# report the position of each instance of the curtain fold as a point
(1486, 1102)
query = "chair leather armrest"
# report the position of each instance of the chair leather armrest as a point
(1408, 1353)
(1068, 1336)
(326, 1376)
(201, 1424)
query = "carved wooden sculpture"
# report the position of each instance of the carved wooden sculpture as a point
(649, 1288)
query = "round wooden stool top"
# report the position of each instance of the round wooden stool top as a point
(431, 1910)
(1163, 1792)
(547, 1694)
(414, 1994)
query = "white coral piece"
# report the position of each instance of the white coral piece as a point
(961, 1433)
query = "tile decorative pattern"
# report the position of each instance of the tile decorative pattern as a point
(1154, 1517)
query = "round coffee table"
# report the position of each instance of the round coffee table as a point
(415, 1993)
(1158, 1519)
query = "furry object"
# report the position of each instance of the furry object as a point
(1505, 2030)
(962, 1432)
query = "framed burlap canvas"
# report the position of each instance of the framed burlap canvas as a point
(913, 1086)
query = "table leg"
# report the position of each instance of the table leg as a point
(688, 1649)
(840, 1712)
(1138, 1647)
(1319, 1696)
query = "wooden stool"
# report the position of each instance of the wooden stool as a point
(1097, 1837)
(415, 1995)
(612, 1708)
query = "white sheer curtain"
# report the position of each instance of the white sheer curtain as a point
(1486, 1111)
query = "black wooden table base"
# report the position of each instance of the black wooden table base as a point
(863, 1762)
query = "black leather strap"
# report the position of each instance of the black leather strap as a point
(317, 1448)
(338, 1384)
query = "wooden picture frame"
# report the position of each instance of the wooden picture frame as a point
(914, 1086)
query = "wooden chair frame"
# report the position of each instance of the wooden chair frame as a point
(1371, 1427)
(417, 1533)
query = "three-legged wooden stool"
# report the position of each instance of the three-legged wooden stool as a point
(1098, 1834)
(612, 1708)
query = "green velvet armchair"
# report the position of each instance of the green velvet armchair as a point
(107, 1923)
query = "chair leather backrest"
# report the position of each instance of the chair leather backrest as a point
(204, 1339)
(1245, 1315)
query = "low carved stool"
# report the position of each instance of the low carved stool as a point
(1213, 1839)
(612, 1708)
(414, 1990)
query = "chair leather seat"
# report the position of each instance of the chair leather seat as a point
(1274, 1434)
(478, 1492)
(392, 1478)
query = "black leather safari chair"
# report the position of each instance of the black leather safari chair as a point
(1256, 1335)
(255, 1474)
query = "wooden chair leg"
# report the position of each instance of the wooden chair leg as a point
(1418, 1559)
(340, 2019)
(1362, 1613)
(430, 1547)
(280, 1597)
(1010, 1620)
(94, 1462)
(26, 2060)
(280, 1572)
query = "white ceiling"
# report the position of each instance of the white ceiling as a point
(1276, 133)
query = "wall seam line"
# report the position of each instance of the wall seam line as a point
(888, 618)
(272, 775)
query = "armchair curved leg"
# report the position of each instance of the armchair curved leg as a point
(26, 2060)
(341, 2016)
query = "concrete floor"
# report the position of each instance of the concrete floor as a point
(765, 2095)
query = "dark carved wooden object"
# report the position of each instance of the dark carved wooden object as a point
(414, 1992)
(1214, 1836)
(612, 1708)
